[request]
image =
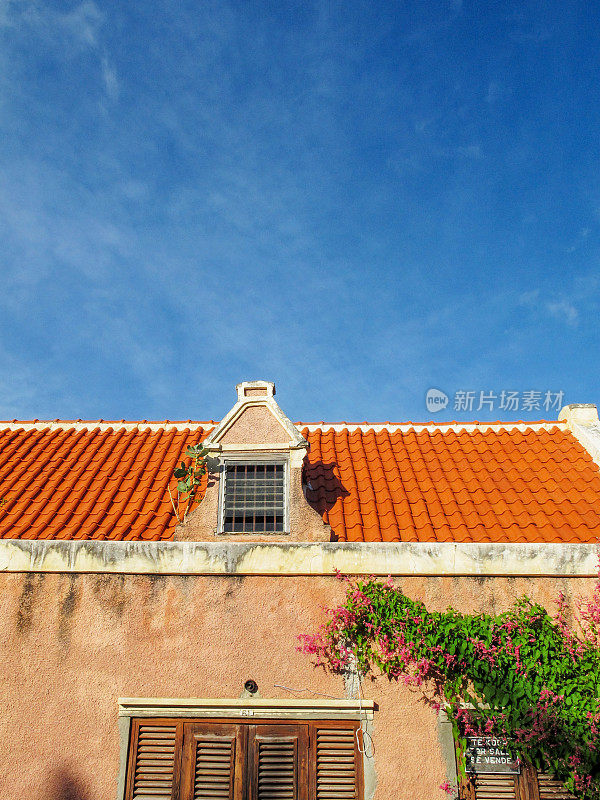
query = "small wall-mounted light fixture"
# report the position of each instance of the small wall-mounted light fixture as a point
(251, 686)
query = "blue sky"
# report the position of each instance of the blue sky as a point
(359, 201)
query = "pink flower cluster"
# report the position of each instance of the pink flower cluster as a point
(451, 789)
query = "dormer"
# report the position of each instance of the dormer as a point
(254, 490)
(255, 423)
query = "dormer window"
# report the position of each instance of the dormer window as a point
(255, 462)
(254, 496)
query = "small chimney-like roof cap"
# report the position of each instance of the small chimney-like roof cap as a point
(579, 414)
(255, 389)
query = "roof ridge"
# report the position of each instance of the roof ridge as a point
(181, 425)
(520, 425)
(103, 424)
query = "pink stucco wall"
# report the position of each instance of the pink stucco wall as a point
(72, 644)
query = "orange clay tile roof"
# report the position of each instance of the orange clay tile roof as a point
(499, 482)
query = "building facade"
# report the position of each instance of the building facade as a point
(148, 654)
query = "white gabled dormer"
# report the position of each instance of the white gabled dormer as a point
(255, 487)
(255, 423)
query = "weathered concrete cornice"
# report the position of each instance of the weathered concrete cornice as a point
(264, 558)
(315, 708)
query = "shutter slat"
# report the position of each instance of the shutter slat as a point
(154, 762)
(161, 767)
(336, 764)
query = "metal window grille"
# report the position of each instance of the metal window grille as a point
(254, 498)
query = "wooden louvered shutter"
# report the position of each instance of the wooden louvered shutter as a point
(551, 789)
(278, 762)
(337, 776)
(201, 760)
(213, 762)
(154, 759)
(491, 787)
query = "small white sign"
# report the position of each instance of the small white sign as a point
(489, 754)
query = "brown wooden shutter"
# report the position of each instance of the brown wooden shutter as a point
(153, 761)
(494, 787)
(209, 760)
(213, 762)
(551, 789)
(337, 757)
(278, 762)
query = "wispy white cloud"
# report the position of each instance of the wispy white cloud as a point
(420, 156)
(579, 240)
(532, 34)
(82, 23)
(497, 91)
(529, 298)
(572, 305)
(47, 218)
(65, 33)
(23, 385)
(472, 151)
(564, 311)
(80, 26)
(110, 79)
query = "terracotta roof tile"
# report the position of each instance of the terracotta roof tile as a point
(501, 483)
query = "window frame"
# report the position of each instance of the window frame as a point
(245, 458)
(133, 710)
(185, 724)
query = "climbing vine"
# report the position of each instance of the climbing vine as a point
(525, 675)
(189, 479)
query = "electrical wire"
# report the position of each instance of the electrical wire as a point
(367, 750)
(366, 736)
(320, 694)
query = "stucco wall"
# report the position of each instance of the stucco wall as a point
(72, 644)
